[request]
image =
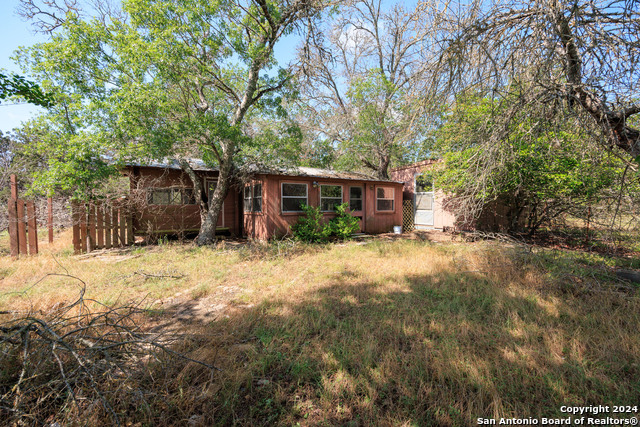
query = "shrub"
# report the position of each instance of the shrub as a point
(311, 227)
(344, 224)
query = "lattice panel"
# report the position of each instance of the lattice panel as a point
(407, 215)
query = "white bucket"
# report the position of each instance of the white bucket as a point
(397, 229)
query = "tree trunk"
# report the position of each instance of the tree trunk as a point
(207, 228)
(207, 233)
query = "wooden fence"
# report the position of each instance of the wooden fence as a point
(23, 226)
(101, 225)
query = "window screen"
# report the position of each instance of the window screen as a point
(293, 197)
(385, 199)
(330, 197)
(355, 198)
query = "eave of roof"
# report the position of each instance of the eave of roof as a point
(200, 166)
(196, 164)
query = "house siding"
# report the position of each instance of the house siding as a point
(442, 218)
(272, 222)
(149, 218)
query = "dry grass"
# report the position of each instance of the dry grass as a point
(383, 333)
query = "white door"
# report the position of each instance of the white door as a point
(423, 202)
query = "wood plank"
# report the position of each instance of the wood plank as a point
(32, 228)
(99, 226)
(14, 187)
(13, 228)
(22, 228)
(123, 227)
(91, 245)
(75, 218)
(83, 228)
(114, 227)
(50, 218)
(129, 217)
(107, 226)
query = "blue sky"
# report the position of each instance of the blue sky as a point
(14, 32)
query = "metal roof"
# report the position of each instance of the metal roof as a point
(196, 164)
(199, 165)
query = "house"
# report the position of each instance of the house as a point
(431, 209)
(265, 206)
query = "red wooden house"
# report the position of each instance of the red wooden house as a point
(266, 206)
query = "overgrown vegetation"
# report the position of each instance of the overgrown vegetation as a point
(355, 333)
(312, 227)
(541, 168)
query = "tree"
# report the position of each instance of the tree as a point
(18, 86)
(582, 53)
(541, 167)
(165, 78)
(369, 81)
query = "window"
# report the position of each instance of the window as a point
(385, 199)
(188, 198)
(211, 187)
(424, 184)
(330, 197)
(253, 198)
(170, 196)
(355, 198)
(293, 197)
(257, 197)
(247, 198)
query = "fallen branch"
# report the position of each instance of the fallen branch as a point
(77, 362)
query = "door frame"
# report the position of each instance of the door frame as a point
(415, 199)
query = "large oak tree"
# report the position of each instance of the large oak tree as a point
(160, 78)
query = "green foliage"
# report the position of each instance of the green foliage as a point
(544, 168)
(312, 228)
(344, 224)
(18, 86)
(166, 79)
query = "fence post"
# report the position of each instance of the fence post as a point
(14, 187)
(114, 225)
(91, 244)
(50, 218)
(99, 226)
(107, 226)
(22, 227)
(13, 227)
(33, 228)
(130, 237)
(75, 219)
(123, 226)
(83, 228)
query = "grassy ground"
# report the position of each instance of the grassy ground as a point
(406, 332)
